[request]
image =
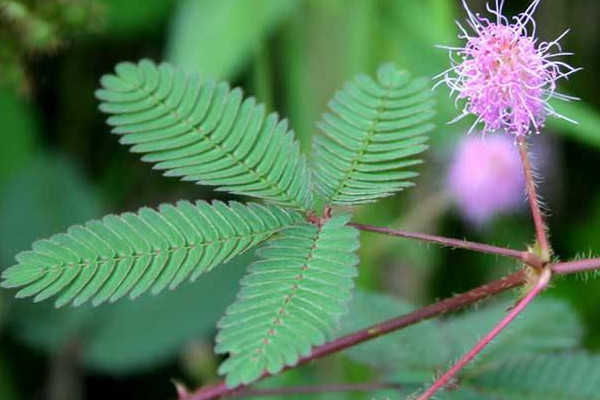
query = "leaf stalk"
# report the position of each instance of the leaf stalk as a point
(526, 257)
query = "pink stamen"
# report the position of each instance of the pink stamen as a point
(502, 74)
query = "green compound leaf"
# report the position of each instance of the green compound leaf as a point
(566, 376)
(373, 134)
(148, 251)
(291, 300)
(206, 132)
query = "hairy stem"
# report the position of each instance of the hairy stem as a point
(331, 388)
(534, 204)
(444, 379)
(452, 304)
(524, 256)
(573, 267)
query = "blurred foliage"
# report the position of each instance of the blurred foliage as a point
(7, 390)
(293, 55)
(20, 137)
(47, 195)
(150, 330)
(29, 27)
(198, 43)
(412, 356)
(587, 128)
(533, 377)
(153, 329)
(126, 19)
(415, 353)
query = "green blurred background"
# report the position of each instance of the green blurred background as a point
(60, 166)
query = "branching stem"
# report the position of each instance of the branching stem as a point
(433, 310)
(524, 256)
(577, 266)
(542, 283)
(534, 204)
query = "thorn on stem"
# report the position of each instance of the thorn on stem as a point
(182, 390)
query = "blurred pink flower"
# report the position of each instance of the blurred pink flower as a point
(486, 177)
(504, 75)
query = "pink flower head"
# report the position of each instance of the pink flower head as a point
(486, 177)
(504, 74)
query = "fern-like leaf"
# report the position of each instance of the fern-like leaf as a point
(134, 253)
(205, 132)
(291, 300)
(373, 134)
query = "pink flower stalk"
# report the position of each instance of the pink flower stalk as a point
(486, 178)
(504, 74)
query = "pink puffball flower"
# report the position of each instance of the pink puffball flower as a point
(503, 74)
(486, 178)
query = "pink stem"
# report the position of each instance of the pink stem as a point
(526, 257)
(538, 219)
(444, 379)
(577, 266)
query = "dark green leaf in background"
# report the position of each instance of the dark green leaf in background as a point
(587, 128)
(138, 335)
(131, 337)
(46, 197)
